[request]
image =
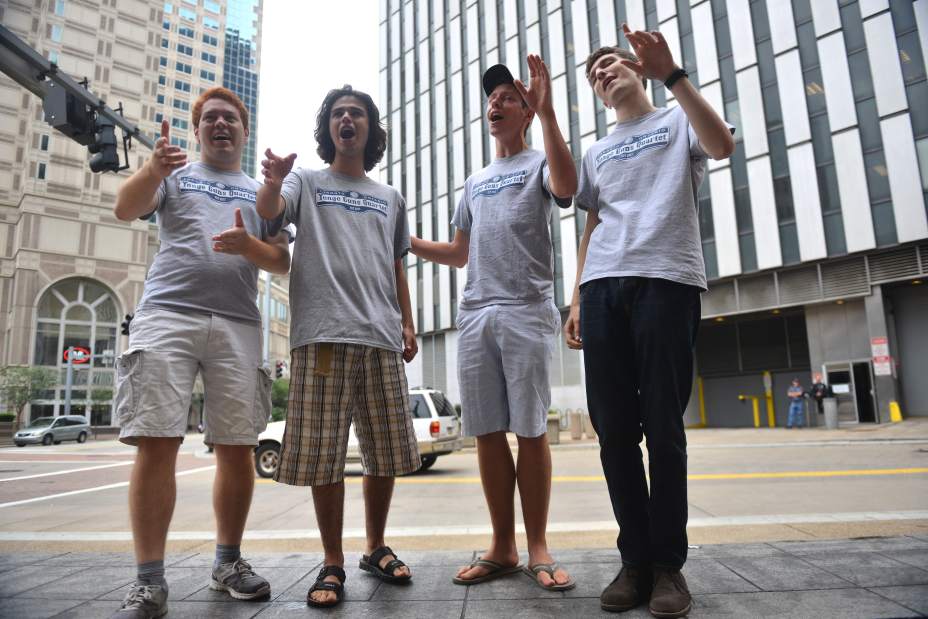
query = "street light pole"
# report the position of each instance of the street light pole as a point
(69, 381)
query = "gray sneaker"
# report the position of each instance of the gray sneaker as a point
(239, 580)
(143, 602)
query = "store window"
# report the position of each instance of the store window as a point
(78, 312)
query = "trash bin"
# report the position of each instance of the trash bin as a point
(554, 428)
(831, 413)
(575, 421)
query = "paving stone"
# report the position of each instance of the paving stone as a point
(405, 609)
(86, 583)
(844, 603)
(587, 556)
(517, 586)
(21, 579)
(107, 559)
(541, 608)
(711, 576)
(782, 573)
(182, 582)
(307, 560)
(191, 610)
(428, 583)
(22, 608)
(914, 597)
(13, 560)
(918, 558)
(709, 551)
(863, 544)
(451, 558)
(870, 569)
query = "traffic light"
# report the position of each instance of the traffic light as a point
(125, 324)
(279, 369)
(106, 153)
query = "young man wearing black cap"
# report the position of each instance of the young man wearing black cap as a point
(640, 272)
(507, 320)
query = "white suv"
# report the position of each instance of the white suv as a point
(438, 431)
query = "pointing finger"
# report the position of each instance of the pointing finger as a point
(239, 222)
(165, 129)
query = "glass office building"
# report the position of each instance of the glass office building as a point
(814, 233)
(241, 63)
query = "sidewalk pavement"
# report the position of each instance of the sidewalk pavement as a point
(864, 577)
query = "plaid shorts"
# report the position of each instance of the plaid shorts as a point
(333, 386)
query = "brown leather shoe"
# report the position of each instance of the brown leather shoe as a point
(631, 587)
(670, 597)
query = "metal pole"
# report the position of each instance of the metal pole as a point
(68, 382)
(267, 319)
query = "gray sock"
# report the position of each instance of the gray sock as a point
(226, 553)
(151, 573)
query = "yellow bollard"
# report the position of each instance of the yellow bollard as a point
(895, 413)
(768, 395)
(702, 403)
(755, 405)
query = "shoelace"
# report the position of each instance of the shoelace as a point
(138, 596)
(243, 568)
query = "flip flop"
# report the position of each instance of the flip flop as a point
(495, 571)
(549, 569)
(372, 564)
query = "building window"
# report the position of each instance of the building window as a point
(208, 57)
(211, 23)
(53, 56)
(43, 142)
(187, 13)
(207, 75)
(176, 141)
(185, 49)
(166, 25)
(179, 123)
(164, 43)
(78, 312)
(56, 33)
(168, 7)
(184, 68)
(162, 80)
(210, 40)
(160, 98)
(212, 7)
(186, 31)
(182, 86)
(181, 104)
(164, 61)
(59, 7)
(40, 174)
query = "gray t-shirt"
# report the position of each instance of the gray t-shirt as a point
(195, 203)
(506, 209)
(350, 232)
(642, 180)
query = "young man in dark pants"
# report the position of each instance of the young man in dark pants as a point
(636, 308)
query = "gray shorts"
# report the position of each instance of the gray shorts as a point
(504, 360)
(155, 376)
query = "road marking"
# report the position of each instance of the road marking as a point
(694, 477)
(474, 529)
(65, 472)
(121, 484)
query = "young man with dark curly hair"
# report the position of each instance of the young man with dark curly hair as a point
(636, 307)
(351, 330)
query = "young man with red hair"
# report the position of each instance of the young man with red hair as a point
(197, 314)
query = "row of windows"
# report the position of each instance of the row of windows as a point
(184, 68)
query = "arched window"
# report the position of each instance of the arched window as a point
(78, 312)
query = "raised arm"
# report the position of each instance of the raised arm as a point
(275, 169)
(272, 255)
(538, 97)
(572, 326)
(656, 62)
(453, 254)
(410, 345)
(136, 196)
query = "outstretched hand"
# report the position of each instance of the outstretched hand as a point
(166, 158)
(276, 169)
(410, 345)
(654, 58)
(538, 94)
(235, 240)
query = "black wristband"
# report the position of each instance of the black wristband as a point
(676, 75)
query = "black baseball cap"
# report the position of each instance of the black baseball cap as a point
(494, 76)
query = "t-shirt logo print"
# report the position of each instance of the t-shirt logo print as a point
(351, 201)
(220, 192)
(631, 147)
(493, 186)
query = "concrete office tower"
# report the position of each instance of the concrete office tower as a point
(69, 271)
(814, 233)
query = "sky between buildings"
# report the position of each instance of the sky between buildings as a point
(309, 48)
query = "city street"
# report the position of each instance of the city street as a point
(745, 485)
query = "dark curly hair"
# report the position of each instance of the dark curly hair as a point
(376, 137)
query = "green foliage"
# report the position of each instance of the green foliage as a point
(20, 385)
(7, 417)
(280, 393)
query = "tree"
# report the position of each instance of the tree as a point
(280, 392)
(20, 385)
(100, 399)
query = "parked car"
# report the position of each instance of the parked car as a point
(438, 431)
(48, 430)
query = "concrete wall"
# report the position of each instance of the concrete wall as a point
(837, 332)
(910, 348)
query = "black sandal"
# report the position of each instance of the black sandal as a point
(322, 585)
(372, 564)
